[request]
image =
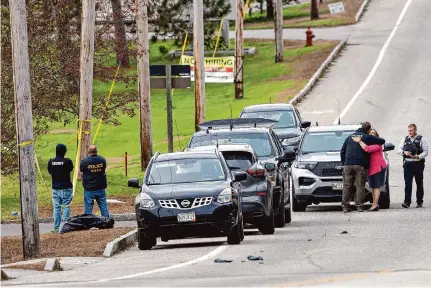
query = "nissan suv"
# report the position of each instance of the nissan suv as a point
(317, 173)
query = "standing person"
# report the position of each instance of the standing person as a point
(414, 149)
(94, 181)
(356, 163)
(59, 168)
(377, 169)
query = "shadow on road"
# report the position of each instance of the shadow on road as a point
(189, 245)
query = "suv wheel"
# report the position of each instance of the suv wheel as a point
(280, 218)
(237, 233)
(385, 198)
(297, 206)
(266, 224)
(288, 213)
(145, 241)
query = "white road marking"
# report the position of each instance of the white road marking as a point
(377, 64)
(205, 257)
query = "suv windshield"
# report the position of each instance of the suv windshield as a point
(329, 141)
(258, 141)
(285, 119)
(185, 171)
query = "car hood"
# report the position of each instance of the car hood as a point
(320, 157)
(186, 190)
(284, 133)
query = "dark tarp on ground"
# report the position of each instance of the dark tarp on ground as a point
(86, 222)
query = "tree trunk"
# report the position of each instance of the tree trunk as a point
(314, 10)
(269, 9)
(279, 51)
(120, 35)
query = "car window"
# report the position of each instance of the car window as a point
(284, 118)
(238, 160)
(330, 141)
(185, 171)
(298, 115)
(260, 142)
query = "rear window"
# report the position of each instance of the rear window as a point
(241, 161)
(284, 118)
(260, 142)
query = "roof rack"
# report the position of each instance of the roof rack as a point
(237, 123)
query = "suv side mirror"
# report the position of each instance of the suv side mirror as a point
(270, 167)
(388, 147)
(289, 156)
(305, 124)
(133, 182)
(239, 176)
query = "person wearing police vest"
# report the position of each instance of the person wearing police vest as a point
(93, 177)
(414, 149)
(59, 168)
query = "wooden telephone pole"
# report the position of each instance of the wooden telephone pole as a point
(279, 51)
(24, 130)
(239, 57)
(86, 73)
(198, 51)
(143, 55)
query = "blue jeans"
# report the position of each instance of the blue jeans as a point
(61, 198)
(100, 197)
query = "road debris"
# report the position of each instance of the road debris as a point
(218, 260)
(255, 258)
(344, 232)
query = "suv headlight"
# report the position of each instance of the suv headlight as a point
(225, 196)
(290, 141)
(144, 200)
(305, 165)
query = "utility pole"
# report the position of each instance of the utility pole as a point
(143, 57)
(169, 108)
(198, 51)
(279, 51)
(86, 73)
(24, 130)
(239, 58)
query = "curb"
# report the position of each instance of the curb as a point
(4, 276)
(361, 10)
(120, 243)
(313, 80)
(116, 217)
(52, 264)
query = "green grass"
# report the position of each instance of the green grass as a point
(296, 11)
(261, 85)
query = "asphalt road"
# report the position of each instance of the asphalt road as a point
(384, 77)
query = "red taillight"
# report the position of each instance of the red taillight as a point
(263, 193)
(256, 171)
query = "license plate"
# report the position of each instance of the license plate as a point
(186, 217)
(337, 186)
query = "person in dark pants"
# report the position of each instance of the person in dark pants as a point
(59, 168)
(93, 177)
(414, 149)
(356, 163)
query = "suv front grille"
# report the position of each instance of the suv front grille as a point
(328, 169)
(178, 203)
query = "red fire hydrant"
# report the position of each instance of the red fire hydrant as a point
(310, 36)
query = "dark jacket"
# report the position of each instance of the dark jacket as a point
(352, 152)
(93, 169)
(60, 168)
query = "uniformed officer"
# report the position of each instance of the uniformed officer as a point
(414, 149)
(59, 168)
(93, 177)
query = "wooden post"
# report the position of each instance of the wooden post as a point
(125, 163)
(239, 58)
(169, 108)
(143, 57)
(24, 130)
(279, 52)
(86, 73)
(198, 51)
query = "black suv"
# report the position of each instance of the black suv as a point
(188, 194)
(289, 127)
(258, 134)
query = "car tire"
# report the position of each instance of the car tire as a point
(280, 218)
(237, 234)
(288, 215)
(297, 206)
(385, 198)
(266, 224)
(145, 242)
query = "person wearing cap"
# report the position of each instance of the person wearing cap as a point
(93, 177)
(59, 168)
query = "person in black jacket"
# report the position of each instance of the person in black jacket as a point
(93, 176)
(59, 168)
(356, 163)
